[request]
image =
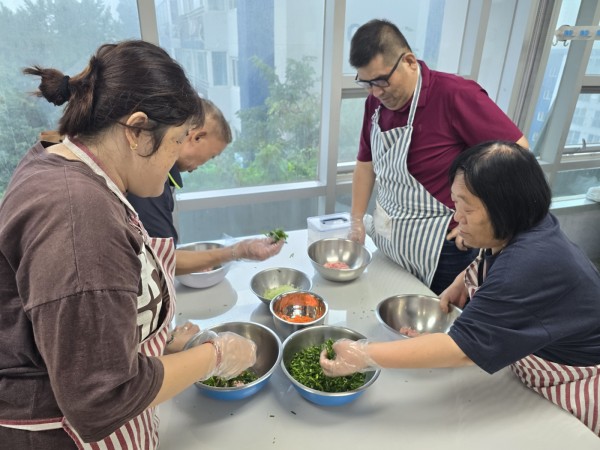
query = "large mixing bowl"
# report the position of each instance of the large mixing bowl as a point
(268, 356)
(205, 278)
(318, 335)
(329, 252)
(412, 315)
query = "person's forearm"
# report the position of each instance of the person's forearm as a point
(183, 369)
(363, 181)
(187, 261)
(427, 351)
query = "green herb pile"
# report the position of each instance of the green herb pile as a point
(277, 235)
(245, 377)
(304, 367)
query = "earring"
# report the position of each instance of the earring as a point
(133, 146)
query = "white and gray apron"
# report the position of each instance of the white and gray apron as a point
(409, 224)
(157, 258)
(575, 389)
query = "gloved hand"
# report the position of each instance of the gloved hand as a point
(235, 353)
(350, 357)
(257, 249)
(357, 230)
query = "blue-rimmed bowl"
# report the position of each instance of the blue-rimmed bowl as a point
(268, 357)
(317, 335)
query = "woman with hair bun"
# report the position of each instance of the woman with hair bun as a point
(86, 296)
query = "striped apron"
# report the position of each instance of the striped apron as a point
(575, 389)
(409, 225)
(158, 269)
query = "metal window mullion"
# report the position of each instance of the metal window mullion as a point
(331, 95)
(148, 24)
(478, 16)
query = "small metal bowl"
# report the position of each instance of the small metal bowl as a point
(415, 315)
(207, 278)
(317, 336)
(302, 305)
(339, 250)
(275, 277)
(268, 357)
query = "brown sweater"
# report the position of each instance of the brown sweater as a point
(69, 279)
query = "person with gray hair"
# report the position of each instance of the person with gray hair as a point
(531, 298)
(416, 121)
(201, 144)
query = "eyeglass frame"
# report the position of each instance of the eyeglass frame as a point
(381, 82)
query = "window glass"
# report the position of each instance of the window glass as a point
(272, 96)
(434, 29)
(351, 119)
(62, 35)
(593, 67)
(575, 182)
(245, 220)
(585, 126)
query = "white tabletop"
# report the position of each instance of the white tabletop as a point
(463, 408)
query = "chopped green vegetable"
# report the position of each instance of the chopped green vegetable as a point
(274, 292)
(304, 367)
(277, 235)
(247, 376)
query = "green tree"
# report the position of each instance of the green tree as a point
(279, 140)
(52, 33)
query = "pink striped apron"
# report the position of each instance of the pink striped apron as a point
(575, 389)
(157, 255)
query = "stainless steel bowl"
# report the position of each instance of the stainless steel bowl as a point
(297, 304)
(414, 315)
(275, 277)
(207, 278)
(336, 250)
(317, 336)
(268, 356)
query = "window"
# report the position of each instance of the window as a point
(22, 116)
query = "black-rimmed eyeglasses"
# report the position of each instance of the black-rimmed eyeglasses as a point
(381, 82)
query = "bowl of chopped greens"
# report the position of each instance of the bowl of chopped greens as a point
(295, 310)
(339, 259)
(274, 281)
(300, 364)
(252, 380)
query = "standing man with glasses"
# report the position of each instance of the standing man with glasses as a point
(416, 121)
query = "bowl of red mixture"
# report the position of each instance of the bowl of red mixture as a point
(338, 259)
(293, 311)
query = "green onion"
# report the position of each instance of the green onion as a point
(277, 234)
(245, 377)
(304, 367)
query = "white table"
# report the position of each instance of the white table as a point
(462, 409)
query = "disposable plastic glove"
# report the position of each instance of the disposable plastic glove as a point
(257, 249)
(350, 357)
(235, 354)
(357, 230)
